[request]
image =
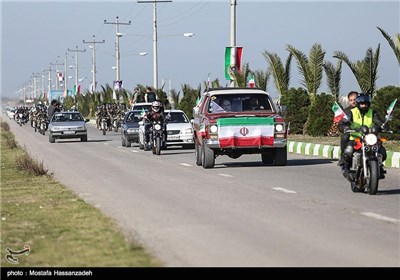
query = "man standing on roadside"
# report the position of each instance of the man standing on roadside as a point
(345, 137)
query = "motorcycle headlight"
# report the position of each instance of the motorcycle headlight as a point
(157, 127)
(371, 139)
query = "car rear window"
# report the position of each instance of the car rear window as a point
(177, 117)
(239, 103)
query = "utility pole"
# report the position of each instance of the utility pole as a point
(76, 51)
(46, 96)
(57, 78)
(93, 47)
(155, 58)
(117, 35)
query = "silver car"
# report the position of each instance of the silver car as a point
(67, 125)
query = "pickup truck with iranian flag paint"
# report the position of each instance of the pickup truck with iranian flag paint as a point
(237, 121)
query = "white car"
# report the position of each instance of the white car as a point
(179, 130)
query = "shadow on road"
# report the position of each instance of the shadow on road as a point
(311, 161)
(292, 162)
(388, 192)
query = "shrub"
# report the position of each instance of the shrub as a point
(321, 115)
(297, 102)
(26, 163)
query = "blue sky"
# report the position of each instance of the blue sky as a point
(34, 34)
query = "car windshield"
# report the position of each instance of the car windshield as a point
(239, 103)
(177, 117)
(67, 117)
(134, 117)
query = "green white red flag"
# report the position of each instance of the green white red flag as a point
(250, 81)
(245, 132)
(339, 113)
(233, 58)
(390, 109)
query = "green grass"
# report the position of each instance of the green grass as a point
(60, 228)
(392, 145)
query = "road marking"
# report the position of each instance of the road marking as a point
(105, 144)
(185, 164)
(225, 175)
(283, 190)
(380, 217)
(134, 151)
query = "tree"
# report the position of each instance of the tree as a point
(297, 102)
(311, 69)
(189, 98)
(365, 71)
(394, 45)
(280, 73)
(333, 76)
(261, 78)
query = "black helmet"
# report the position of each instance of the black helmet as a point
(363, 98)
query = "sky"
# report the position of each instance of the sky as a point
(37, 35)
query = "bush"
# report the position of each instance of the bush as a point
(321, 115)
(26, 163)
(380, 102)
(297, 102)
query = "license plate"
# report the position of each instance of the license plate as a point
(173, 137)
(69, 132)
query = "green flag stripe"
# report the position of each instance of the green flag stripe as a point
(244, 121)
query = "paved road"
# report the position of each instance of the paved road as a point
(240, 213)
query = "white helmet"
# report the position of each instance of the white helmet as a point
(155, 106)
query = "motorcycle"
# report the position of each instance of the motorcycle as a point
(157, 137)
(104, 124)
(43, 125)
(366, 166)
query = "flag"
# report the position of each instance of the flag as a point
(390, 109)
(209, 85)
(250, 80)
(245, 132)
(233, 58)
(142, 113)
(339, 113)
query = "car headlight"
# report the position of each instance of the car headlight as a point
(132, 130)
(371, 139)
(188, 131)
(80, 127)
(56, 128)
(213, 128)
(279, 127)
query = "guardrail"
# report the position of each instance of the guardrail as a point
(333, 152)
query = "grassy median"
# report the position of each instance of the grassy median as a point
(59, 227)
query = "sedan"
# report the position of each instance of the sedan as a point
(130, 128)
(67, 125)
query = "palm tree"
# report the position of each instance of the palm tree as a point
(395, 45)
(261, 78)
(310, 68)
(175, 98)
(365, 71)
(280, 73)
(240, 77)
(333, 76)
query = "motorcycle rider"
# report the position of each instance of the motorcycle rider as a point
(361, 115)
(156, 114)
(345, 137)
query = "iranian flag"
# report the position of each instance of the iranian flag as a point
(390, 109)
(250, 81)
(233, 58)
(339, 113)
(245, 132)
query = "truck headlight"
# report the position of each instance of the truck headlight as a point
(279, 127)
(213, 128)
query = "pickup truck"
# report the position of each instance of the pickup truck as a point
(237, 121)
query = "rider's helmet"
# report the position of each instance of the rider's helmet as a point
(363, 98)
(155, 106)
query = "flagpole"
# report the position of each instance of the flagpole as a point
(233, 38)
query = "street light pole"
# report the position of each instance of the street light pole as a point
(94, 60)
(76, 65)
(233, 37)
(155, 53)
(117, 35)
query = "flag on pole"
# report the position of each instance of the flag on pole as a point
(209, 85)
(233, 58)
(390, 109)
(250, 81)
(339, 113)
(142, 113)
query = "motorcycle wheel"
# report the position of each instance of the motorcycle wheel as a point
(158, 146)
(104, 131)
(373, 180)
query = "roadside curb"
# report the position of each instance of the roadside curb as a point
(333, 152)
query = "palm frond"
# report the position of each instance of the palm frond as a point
(302, 64)
(392, 43)
(315, 66)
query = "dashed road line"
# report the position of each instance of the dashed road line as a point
(380, 217)
(225, 175)
(283, 190)
(134, 151)
(185, 164)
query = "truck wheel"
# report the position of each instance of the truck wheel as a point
(208, 159)
(281, 156)
(197, 152)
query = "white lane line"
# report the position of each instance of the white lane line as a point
(380, 217)
(104, 143)
(225, 175)
(185, 164)
(283, 190)
(134, 151)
